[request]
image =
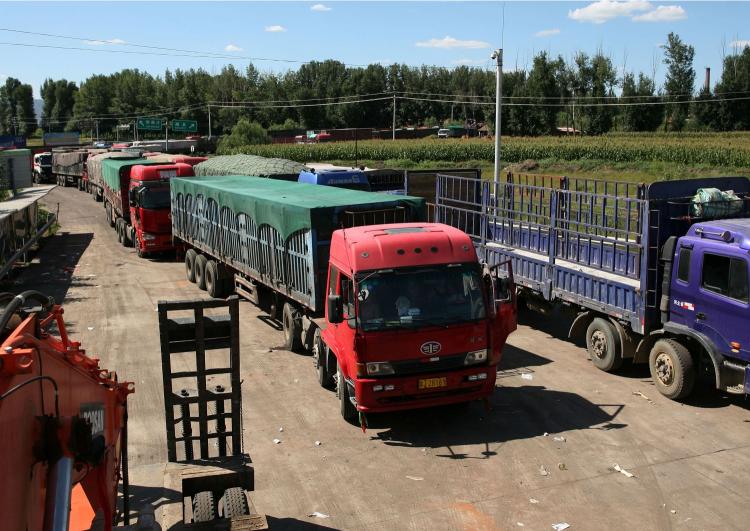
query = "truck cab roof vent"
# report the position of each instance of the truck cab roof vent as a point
(725, 236)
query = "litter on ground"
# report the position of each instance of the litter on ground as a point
(562, 526)
(622, 471)
(317, 514)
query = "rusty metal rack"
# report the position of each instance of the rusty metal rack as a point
(200, 334)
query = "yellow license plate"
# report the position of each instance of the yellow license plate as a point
(433, 383)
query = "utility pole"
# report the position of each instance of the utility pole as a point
(498, 56)
(97, 130)
(393, 126)
(209, 122)
(166, 135)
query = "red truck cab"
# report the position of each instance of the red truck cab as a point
(412, 318)
(149, 201)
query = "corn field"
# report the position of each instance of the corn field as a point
(727, 150)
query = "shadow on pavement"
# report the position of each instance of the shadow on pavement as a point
(518, 358)
(292, 524)
(141, 497)
(515, 413)
(54, 274)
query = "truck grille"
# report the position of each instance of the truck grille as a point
(424, 366)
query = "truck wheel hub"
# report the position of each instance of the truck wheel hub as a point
(664, 369)
(599, 344)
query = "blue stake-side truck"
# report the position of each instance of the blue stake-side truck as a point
(656, 273)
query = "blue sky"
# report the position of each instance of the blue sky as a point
(415, 33)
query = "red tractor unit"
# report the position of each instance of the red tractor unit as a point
(137, 201)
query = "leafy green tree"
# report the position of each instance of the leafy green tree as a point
(680, 80)
(640, 117)
(244, 133)
(734, 114)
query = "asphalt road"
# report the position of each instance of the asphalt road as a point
(544, 453)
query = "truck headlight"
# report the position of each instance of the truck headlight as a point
(379, 368)
(476, 356)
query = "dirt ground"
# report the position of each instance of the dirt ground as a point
(543, 454)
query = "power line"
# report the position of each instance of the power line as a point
(182, 52)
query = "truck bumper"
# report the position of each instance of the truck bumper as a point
(460, 386)
(161, 242)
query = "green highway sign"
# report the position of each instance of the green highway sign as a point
(150, 124)
(185, 126)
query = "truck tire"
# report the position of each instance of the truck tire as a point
(348, 410)
(200, 271)
(118, 230)
(290, 319)
(320, 355)
(603, 345)
(127, 235)
(110, 214)
(672, 369)
(190, 256)
(214, 284)
(233, 503)
(204, 508)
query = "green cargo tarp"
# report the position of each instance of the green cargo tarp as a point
(111, 169)
(250, 165)
(286, 206)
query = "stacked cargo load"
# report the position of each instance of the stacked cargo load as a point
(172, 158)
(277, 233)
(94, 170)
(68, 165)
(252, 165)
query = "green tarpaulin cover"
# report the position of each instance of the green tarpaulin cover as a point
(288, 206)
(111, 169)
(250, 165)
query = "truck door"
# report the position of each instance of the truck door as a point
(685, 279)
(722, 306)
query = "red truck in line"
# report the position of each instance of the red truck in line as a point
(137, 202)
(412, 319)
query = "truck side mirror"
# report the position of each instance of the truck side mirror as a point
(503, 289)
(335, 309)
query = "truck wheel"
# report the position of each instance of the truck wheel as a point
(127, 235)
(204, 508)
(233, 503)
(200, 271)
(672, 369)
(348, 410)
(190, 256)
(603, 345)
(118, 229)
(214, 285)
(290, 319)
(320, 355)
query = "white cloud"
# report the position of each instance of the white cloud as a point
(469, 62)
(104, 43)
(603, 10)
(320, 7)
(232, 48)
(450, 42)
(739, 44)
(662, 14)
(275, 29)
(547, 33)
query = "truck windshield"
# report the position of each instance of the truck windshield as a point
(45, 160)
(155, 197)
(424, 296)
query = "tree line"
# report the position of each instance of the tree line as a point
(585, 94)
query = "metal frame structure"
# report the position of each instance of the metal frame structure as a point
(199, 334)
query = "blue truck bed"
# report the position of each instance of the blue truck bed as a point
(591, 243)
